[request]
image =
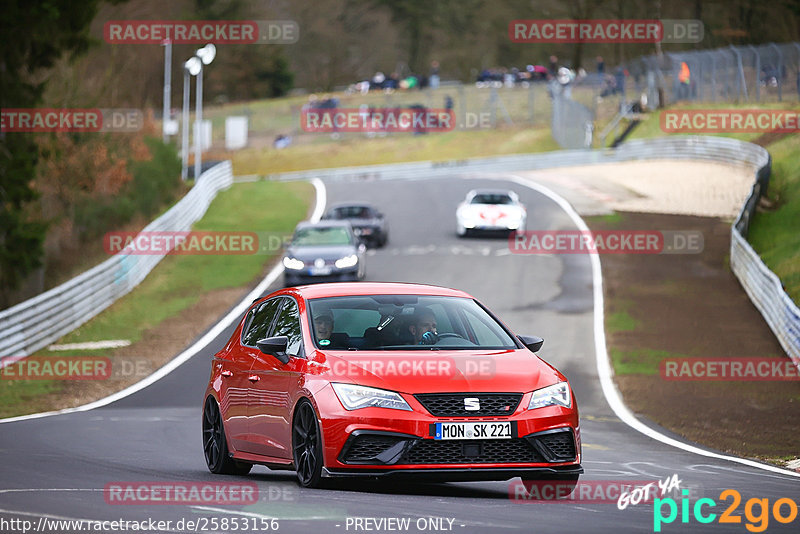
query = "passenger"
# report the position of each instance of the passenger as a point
(323, 327)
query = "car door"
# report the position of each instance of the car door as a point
(257, 327)
(234, 388)
(269, 410)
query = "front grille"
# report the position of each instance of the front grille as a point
(366, 447)
(561, 444)
(489, 451)
(452, 404)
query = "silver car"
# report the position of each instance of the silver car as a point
(327, 251)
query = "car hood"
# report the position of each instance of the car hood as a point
(441, 371)
(325, 252)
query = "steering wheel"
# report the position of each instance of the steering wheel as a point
(450, 334)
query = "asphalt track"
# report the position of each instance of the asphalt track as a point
(57, 467)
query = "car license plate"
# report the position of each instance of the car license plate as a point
(489, 430)
(319, 271)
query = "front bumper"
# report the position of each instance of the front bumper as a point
(458, 474)
(384, 442)
(304, 276)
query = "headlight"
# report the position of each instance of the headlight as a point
(466, 219)
(555, 395)
(354, 397)
(293, 263)
(347, 261)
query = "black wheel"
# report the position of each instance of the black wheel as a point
(215, 446)
(307, 445)
(551, 487)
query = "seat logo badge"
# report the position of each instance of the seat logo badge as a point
(319, 263)
(471, 404)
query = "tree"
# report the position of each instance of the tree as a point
(35, 34)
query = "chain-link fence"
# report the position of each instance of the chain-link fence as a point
(764, 73)
(572, 123)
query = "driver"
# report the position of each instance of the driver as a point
(424, 322)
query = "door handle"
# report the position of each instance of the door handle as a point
(254, 378)
(226, 372)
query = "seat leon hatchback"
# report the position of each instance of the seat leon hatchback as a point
(386, 380)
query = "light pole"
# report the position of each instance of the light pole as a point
(206, 55)
(191, 68)
(167, 87)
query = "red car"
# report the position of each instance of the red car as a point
(386, 379)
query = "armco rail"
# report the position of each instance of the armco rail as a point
(762, 285)
(37, 322)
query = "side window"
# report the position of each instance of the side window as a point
(258, 325)
(288, 324)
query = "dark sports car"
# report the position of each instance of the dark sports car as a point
(327, 251)
(387, 380)
(369, 224)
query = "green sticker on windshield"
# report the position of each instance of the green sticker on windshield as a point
(324, 342)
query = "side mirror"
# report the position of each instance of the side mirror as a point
(275, 346)
(533, 343)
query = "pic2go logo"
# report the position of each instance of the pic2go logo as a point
(758, 519)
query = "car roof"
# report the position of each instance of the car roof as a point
(346, 289)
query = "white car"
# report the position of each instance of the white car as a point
(490, 210)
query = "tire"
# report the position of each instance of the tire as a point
(461, 231)
(307, 445)
(215, 445)
(551, 487)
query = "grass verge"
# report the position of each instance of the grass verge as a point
(175, 285)
(393, 149)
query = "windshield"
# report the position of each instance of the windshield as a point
(321, 236)
(404, 322)
(352, 212)
(486, 198)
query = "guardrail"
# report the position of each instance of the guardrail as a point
(37, 322)
(761, 285)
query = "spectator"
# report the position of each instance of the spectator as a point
(601, 65)
(619, 80)
(553, 66)
(433, 79)
(684, 77)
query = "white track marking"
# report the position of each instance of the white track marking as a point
(216, 330)
(604, 370)
(92, 345)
